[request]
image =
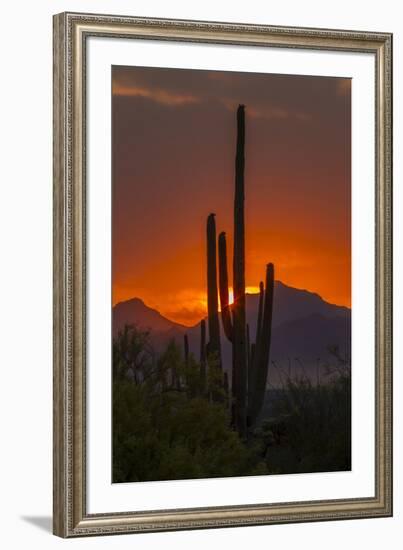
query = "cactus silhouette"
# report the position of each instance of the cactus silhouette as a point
(214, 345)
(240, 371)
(186, 349)
(234, 318)
(203, 359)
(249, 360)
(224, 292)
(260, 353)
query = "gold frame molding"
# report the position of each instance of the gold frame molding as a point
(69, 494)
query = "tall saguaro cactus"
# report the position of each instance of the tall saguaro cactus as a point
(249, 360)
(240, 372)
(214, 344)
(234, 318)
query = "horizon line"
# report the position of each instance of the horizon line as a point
(247, 293)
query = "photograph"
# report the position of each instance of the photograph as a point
(198, 275)
(231, 273)
(222, 274)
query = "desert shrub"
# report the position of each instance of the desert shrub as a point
(166, 425)
(309, 429)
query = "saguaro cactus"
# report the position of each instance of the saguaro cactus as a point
(249, 360)
(214, 345)
(239, 306)
(234, 318)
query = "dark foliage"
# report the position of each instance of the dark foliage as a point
(166, 423)
(309, 427)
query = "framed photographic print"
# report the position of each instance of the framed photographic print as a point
(222, 274)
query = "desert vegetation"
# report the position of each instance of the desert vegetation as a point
(172, 418)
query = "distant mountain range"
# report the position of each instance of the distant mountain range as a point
(304, 328)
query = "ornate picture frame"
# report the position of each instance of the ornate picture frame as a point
(72, 32)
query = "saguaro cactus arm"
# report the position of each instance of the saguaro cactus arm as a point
(223, 285)
(268, 313)
(260, 311)
(203, 362)
(258, 379)
(212, 290)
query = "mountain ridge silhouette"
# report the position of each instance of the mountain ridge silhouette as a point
(289, 303)
(305, 328)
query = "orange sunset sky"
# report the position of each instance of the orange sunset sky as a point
(173, 154)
